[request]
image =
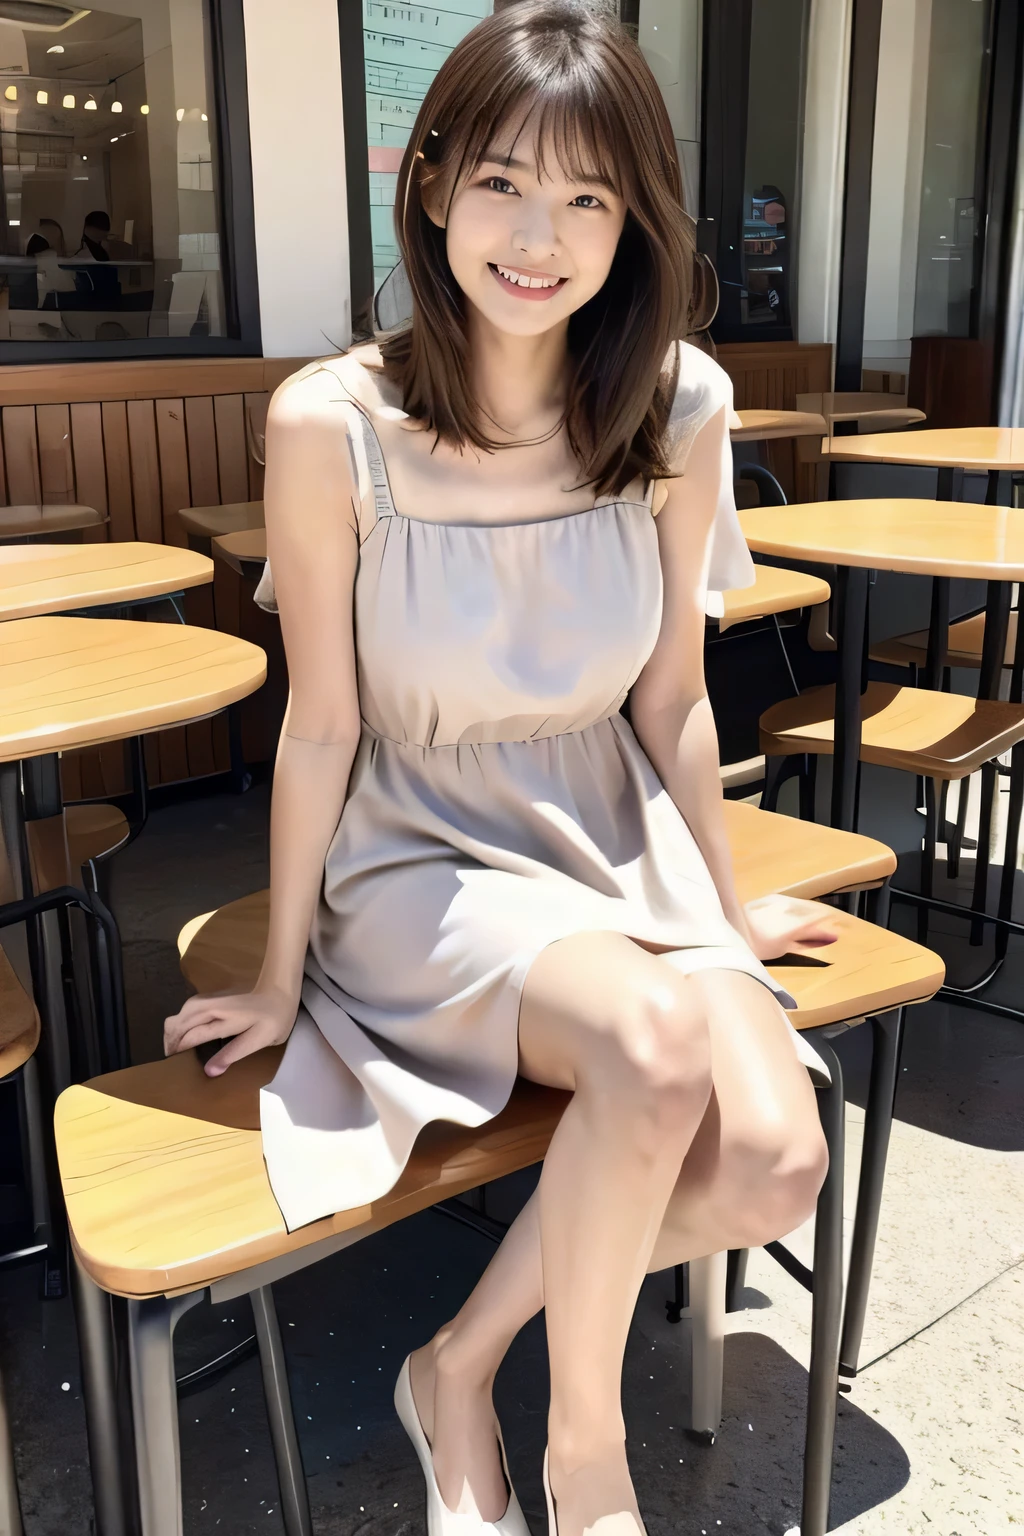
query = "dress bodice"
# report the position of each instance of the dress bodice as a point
(483, 632)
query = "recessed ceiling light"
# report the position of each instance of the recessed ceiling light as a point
(57, 48)
(90, 105)
(115, 106)
(11, 93)
(180, 113)
(42, 97)
(204, 117)
(68, 101)
(144, 110)
(14, 223)
(114, 139)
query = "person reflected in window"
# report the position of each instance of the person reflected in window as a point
(102, 287)
(50, 278)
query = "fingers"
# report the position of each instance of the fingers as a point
(202, 1011)
(243, 1045)
(199, 1034)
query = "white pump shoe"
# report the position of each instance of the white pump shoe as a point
(442, 1521)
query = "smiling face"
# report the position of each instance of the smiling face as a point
(527, 241)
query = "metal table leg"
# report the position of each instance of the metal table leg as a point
(851, 631)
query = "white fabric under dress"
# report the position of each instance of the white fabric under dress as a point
(498, 801)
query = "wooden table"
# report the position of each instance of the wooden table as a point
(84, 682)
(774, 591)
(52, 578)
(205, 523)
(928, 538)
(988, 448)
(35, 521)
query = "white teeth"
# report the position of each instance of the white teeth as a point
(523, 281)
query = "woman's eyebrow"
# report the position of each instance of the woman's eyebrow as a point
(494, 157)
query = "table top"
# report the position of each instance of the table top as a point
(757, 426)
(927, 538)
(32, 520)
(241, 549)
(49, 578)
(936, 447)
(214, 522)
(74, 682)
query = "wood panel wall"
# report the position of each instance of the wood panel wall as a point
(139, 441)
(769, 375)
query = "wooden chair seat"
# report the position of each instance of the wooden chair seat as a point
(245, 552)
(212, 522)
(19, 1020)
(940, 735)
(163, 1172)
(60, 845)
(965, 641)
(28, 522)
(774, 591)
(222, 951)
(759, 426)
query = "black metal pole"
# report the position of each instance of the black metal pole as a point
(860, 145)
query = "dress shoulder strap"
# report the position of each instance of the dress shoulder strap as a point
(369, 469)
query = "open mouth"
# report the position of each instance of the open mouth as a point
(524, 285)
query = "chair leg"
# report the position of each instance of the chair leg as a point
(887, 1044)
(48, 1219)
(151, 1325)
(290, 1474)
(113, 1494)
(707, 1332)
(827, 1309)
(10, 1509)
(736, 1278)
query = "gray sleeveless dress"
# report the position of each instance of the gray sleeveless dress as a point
(498, 801)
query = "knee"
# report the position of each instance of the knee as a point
(777, 1170)
(653, 1056)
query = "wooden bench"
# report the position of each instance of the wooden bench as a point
(36, 521)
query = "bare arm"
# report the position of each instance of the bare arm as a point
(669, 706)
(312, 543)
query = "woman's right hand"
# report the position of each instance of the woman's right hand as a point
(253, 1020)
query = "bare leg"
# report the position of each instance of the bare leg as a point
(751, 1173)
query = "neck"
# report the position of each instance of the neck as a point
(518, 381)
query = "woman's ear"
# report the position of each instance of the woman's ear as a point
(432, 198)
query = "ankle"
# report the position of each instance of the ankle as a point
(457, 1365)
(575, 1447)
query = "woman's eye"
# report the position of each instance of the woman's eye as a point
(590, 200)
(499, 184)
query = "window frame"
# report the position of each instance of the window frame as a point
(227, 71)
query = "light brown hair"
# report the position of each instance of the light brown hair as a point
(597, 103)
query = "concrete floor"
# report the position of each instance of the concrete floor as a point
(929, 1437)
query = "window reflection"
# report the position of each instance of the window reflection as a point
(108, 187)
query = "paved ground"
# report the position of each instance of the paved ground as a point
(929, 1438)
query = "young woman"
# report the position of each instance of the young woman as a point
(484, 532)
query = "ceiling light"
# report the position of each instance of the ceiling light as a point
(68, 101)
(85, 157)
(11, 93)
(57, 48)
(144, 110)
(42, 97)
(114, 139)
(180, 113)
(204, 117)
(90, 105)
(115, 106)
(14, 223)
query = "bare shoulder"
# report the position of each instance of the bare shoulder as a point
(703, 383)
(311, 396)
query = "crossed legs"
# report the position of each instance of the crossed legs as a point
(692, 1128)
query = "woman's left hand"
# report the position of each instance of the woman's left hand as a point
(775, 924)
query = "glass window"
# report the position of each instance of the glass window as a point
(751, 159)
(922, 250)
(404, 46)
(109, 175)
